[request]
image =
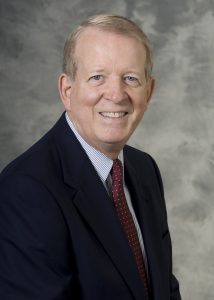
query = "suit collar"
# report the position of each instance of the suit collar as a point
(95, 206)
(100, 215)
(71, 155)
(147, 218)
(100, 161)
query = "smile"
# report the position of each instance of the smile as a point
(118, 114)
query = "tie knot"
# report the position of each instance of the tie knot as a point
(117, 170)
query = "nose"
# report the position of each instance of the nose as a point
(115, 90)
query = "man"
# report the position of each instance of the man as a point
(70, 226)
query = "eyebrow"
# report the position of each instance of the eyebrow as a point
(126, 72)
(134, 72)
(102, 70)
(97, 71)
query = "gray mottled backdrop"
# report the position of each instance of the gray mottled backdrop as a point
(177, 130)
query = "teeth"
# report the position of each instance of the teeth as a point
(113, 114)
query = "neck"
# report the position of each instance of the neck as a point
(110, 150)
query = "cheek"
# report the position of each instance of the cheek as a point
(140, 104)
(89, 96)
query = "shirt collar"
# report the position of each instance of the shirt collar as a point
(100, 161)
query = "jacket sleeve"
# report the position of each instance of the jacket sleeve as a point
(174, 285)
(34, 244)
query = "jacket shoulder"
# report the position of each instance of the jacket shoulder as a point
(144, 165)
(137, 155)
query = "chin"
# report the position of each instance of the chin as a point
(115, 140)
(113, 137)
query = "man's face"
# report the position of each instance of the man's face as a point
(109, 94)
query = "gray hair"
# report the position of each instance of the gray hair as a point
(112, 23)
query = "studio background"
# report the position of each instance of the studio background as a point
(177, 130)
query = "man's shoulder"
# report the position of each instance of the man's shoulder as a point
(137, 154)
(141, 161)
(144, 166)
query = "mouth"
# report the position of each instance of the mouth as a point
(113, 115)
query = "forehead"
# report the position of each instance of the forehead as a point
(96, 46)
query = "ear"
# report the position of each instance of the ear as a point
(64, 87)
(151, 86)
(150, 89)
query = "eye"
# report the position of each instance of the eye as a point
(131, 80)
(96, 77)
(96, 80)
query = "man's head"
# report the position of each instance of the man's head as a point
(113, 23)
(106, 85)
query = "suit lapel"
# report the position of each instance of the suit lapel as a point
(98, 211)
(95, 206)
(149, 228)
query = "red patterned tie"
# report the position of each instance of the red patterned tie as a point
(126, 220)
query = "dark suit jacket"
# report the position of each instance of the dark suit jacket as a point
(59, 234)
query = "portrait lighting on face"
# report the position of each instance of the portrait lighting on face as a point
(82, 213)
